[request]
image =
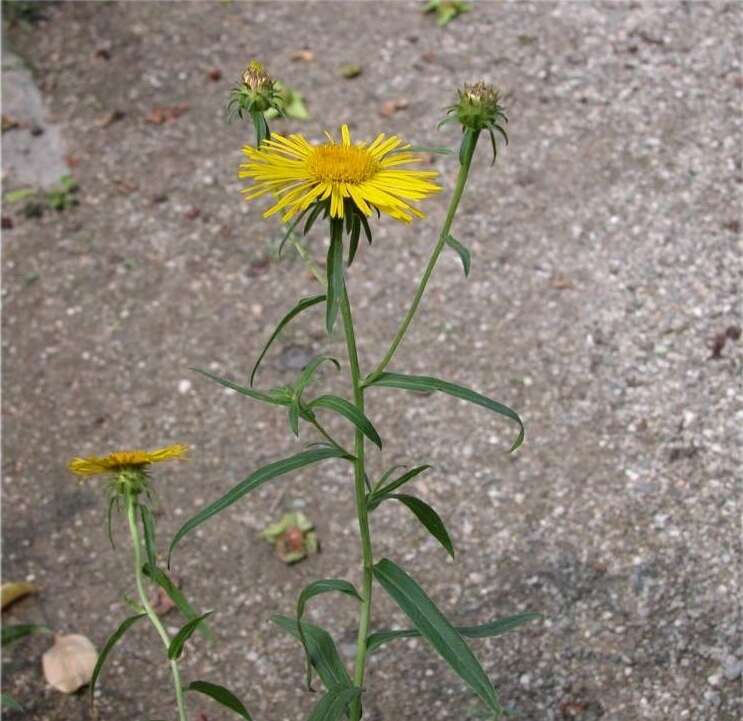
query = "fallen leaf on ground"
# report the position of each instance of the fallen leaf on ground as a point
(12, 591)
(293, 537)
(160, 601)
(9, 123)
(215, 74)
(69, 663)
(110, 118)
(304, 56)
(351, 71)
(292, 102)
(390, 107)
(562, 282)
(162, 115)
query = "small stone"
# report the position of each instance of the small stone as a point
(714, 680)
(184, 386)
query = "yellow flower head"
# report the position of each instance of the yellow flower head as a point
(366, 175)
(124, 460)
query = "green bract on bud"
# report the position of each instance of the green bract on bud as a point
(130, 481)
(477, 109)
(258, 87)
(256, 94)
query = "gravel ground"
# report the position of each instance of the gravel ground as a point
(606, 273)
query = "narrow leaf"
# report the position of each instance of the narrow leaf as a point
(112, 641)
(353, 244)
(314, 589)
(484, 630)
(289, 231)
(179, 640)
(423, 384)
(376, 498)
(428, 517)
(253, 481)
(272, 399)
(309, 371)
(113, 502)
(301, 305)
(350, 412)
(158, 576)
(221, 695)
(148, 523)
(19, 631)
(316, 210)
(323, 652)
(463, 253)
(436, 629)
(333, 704)
(439, 150)
(7, 701)
(335, 277)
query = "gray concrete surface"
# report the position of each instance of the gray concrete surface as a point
(606, 262)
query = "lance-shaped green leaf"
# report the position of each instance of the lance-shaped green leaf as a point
(158, 576)
(113, 502)
(314, 589)
(7, 701)
(484, 630)
(148, 523)
(222, 696)
(296, 409)
(333, 704)
(436, 629)
(18, 631)
(275, 397)
(354, 238)
(112, 641)
(253, 481)
(302, 304)
(427, 516)
(350, 412)
(423, 384)
(375, 498)
(323, 652)
(461, 251)
(335, 275)
(289, 232)
(179, 640)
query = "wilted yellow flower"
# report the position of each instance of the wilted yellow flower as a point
(124, 460)
(369, 176)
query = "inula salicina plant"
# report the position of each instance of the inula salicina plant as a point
(346, 186)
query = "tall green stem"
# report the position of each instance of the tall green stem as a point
(464, 170)
(361, 510)
(131, 507)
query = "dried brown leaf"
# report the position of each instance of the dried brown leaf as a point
(162, 115)
(69, 663)
(14, 590)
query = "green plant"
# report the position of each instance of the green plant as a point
(344, 184)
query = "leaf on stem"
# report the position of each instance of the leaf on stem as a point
(462, 251)
(158, 576)
(424, 384)
(333, 704)
(148, 523)
(436, 629)
(18, 631)
(112, 641)
(179, 640)
(428, 517)
(310, 591)
(253, 481)
(323, 652)
(484, 630)
(222, 696)
(350, 412)
(335, 277)
(376, 497)
(301, 305)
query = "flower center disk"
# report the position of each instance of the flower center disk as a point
(332, 163)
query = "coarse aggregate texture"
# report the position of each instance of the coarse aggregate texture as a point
(606, 267)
